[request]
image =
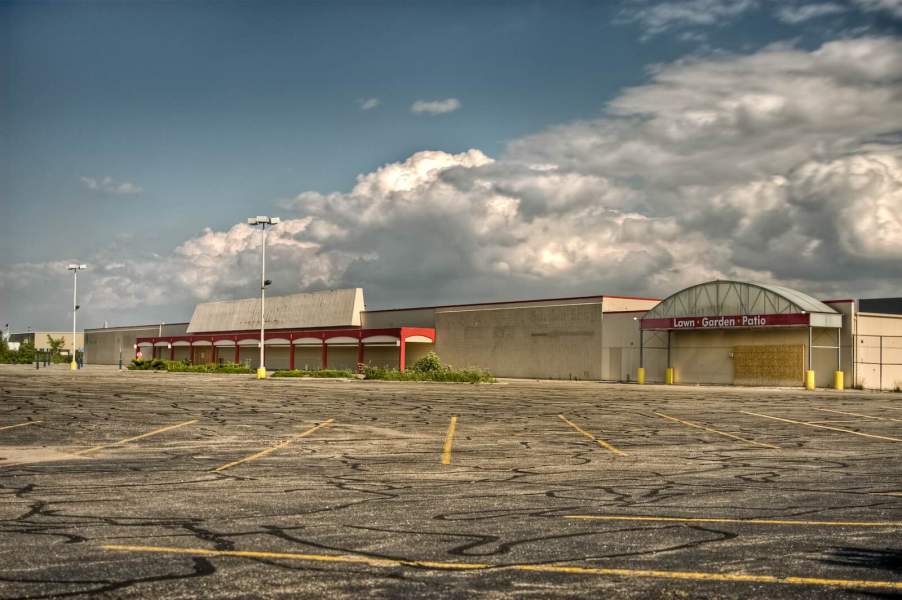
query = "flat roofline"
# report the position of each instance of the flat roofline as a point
(873, 314)
(497, 302)
(845, 301)
(132, 326)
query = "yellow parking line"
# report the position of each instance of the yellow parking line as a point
(868, 435)
(718, 432)
(598, 441)
(851, 414)
(19, 425)
(741, 521)
(547, 568)
(449, 442)
(263, 453)
(137, 437)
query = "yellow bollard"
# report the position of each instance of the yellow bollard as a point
(73, 366)
(839, 380)
(809, 380)
(261, 373)
(668, 376)
(640, 376)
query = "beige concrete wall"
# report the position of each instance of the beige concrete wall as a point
(620, 347)
(418, 317)
(384, 357)
(615, 304)
(308, 358)
(343, 358)
(559, 341)
(879, 351)
(102, 345)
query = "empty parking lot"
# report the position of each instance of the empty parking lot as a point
(179, 485)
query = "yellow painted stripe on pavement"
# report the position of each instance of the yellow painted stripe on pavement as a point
(449, 442)
(137, 437)
(598, 441)
(851, 414)
(718, 432)
(741, 521)
(868, 435)
(263, 453)
(19, 425)
(547, 568)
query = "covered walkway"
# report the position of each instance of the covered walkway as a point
(387, 347)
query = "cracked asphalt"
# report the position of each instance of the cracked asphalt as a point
(136, 484)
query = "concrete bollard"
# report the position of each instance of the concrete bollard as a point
(668, 376)
(839, 380)
(640, 376)
(809, 380)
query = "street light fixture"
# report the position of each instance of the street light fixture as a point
(75, 269)
(263, 222)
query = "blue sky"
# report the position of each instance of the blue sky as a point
(203, 113)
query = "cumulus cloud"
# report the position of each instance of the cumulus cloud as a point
(108, 185)
(794, 14)
(435, 107)
(782, 166)
(369, 103)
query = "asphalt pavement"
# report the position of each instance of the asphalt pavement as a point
(139, 484)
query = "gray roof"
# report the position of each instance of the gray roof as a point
(726, 298)
(331, 308)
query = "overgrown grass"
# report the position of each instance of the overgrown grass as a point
(321, 373)
(430, 368)
(449, 375)
(181, 366)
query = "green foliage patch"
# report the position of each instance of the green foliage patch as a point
(430, 368)
(184, 366)
(321, 373)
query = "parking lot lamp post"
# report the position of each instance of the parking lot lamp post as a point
(263, 222)
(75, 269)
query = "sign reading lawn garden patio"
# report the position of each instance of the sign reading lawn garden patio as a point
(727, 322)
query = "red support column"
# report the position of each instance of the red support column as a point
(237, 352)
(403, 354)
(214, 354)
(359, 352)
(136, 351)
(171, 351)
(192, 354)
(291, 356)
(325, 355)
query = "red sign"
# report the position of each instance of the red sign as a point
(732, 322)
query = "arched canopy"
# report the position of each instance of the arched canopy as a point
(739, 302)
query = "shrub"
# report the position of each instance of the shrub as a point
(428, 364)
(321, 373)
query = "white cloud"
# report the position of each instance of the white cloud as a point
(435, 107)
(369, 103)
(892, 7)
(661, 16)
(783, 165)
(110, 186)
(793, 14)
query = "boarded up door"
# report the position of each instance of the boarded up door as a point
(782, 365)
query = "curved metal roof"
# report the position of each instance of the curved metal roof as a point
(727, 298)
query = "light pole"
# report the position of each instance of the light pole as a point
(75, 269)
(262, 222)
